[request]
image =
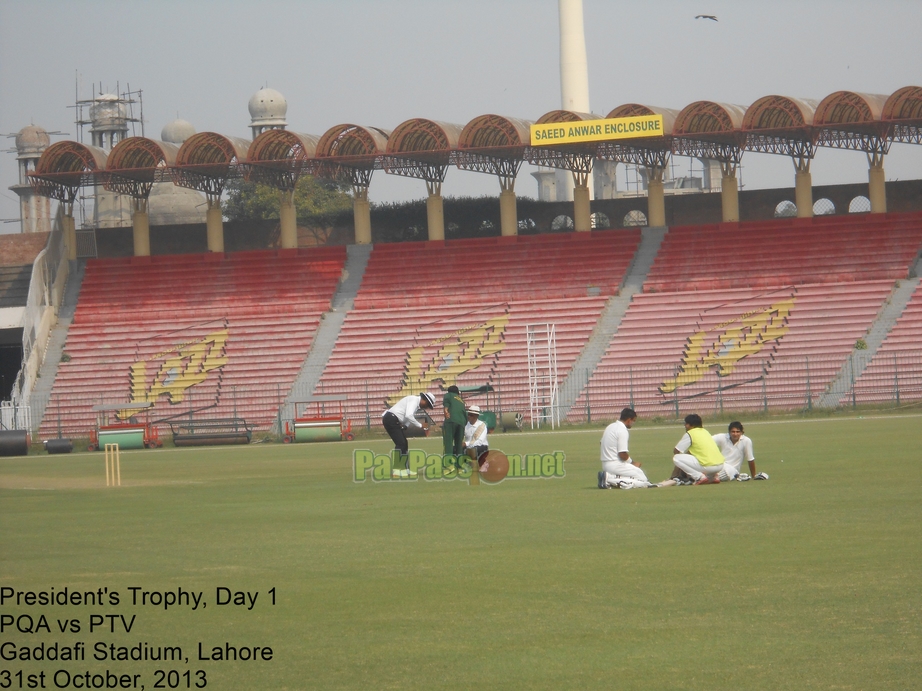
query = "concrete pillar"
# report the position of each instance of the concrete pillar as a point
(69, 227)
(803, 194)
(508, 216)
(215, 226)
(582, 214)
(656, 200)
(877, 189)
(435, 214)
(730, 198)
(361, 215)
(288, 222)
(140, 224)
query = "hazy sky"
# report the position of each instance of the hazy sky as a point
(380, 62)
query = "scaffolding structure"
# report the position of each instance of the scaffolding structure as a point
(110, 118)
(543, 393)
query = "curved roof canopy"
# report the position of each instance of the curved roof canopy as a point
(573, 157)
(136, 163)
(279, 157)
(629, 110)
(644, 151)
(421, 148)
(779, 113)
(848, 108)
(352, 141)
(351, 152)
(903, 111)
(495, 131)
(708, 129)
(565, 116)
(904, 104)
(781, 125)
(708, 118)
(64, 167)
(206, 161)
(849, 120)
(493, 144)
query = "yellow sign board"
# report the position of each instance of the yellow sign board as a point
(597, 130)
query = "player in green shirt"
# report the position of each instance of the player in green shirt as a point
(453, 427)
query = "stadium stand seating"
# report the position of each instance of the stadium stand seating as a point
(797, 336)
(718, 281)
(766, 254)
(775, 306)
(437, 297)
(897, 364)
(230, 332)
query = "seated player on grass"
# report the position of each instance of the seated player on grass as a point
(475, 435)
(697, 454)
(619, 470)
(735, 446)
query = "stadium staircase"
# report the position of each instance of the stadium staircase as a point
(612, 314)
(41, 392)
(330, 326)
(895, 365)
(854, 366)
(432, 314)
(212, 335)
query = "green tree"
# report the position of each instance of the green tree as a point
(249, 201)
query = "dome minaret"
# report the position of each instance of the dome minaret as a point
(108, 126)
(267, 111)
(34, 209)
(108, 121)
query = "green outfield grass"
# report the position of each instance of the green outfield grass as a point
(810, 580)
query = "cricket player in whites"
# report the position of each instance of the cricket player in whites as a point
(737, 447)
(697, 454)
(619, 471)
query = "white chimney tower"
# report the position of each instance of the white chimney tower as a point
(574, 72)
(574, 78)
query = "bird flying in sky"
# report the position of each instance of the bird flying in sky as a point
(706, 16)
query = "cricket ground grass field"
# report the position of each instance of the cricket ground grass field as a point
(269, 566)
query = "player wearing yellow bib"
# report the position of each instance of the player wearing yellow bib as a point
(697, 454)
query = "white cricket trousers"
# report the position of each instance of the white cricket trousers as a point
(688, 463)
(621, 469)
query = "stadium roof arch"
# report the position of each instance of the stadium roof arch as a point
(494, 144)
(279, 157)
(577, 158)
(850, 120)
(65, 167)
(421, 148)
(207, 160)
(490, 143)
(351, 153)
(781, 125)
(707, 129)
(903, 113)
(651, 152)
(136, 163)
